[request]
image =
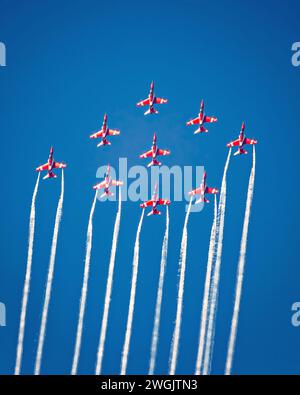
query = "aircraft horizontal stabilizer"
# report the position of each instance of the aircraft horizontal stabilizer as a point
(50, 175)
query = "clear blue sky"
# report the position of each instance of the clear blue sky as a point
(68, 63)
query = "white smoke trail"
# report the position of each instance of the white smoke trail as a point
(205, 304)
(108, 288)
(132, 297)
(164, 253)
(84, 288)
(241, 268)
(27, 279)
(182, 266)
(216, 273)
(49, 280)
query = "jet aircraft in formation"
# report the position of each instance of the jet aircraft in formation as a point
(104, 132)
(50, 166)
(154, 202)
(107, 183)
(201, 119)
(151, 100)
(153, 153)
(241, 141)
(202, 190)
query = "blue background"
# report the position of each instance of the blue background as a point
(69, 62)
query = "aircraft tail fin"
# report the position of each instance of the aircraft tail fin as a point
(154, 212)
(50, 175)
(151, 111)
(106, 194)
(154, 162)
(240, 151)
(201, 129)
(104, 142)
(202, 200)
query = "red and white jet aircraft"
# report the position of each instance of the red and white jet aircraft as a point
(202, 190)
(107, 183)
(241, 141)
(104, 132)
(154, 152)
(151, 100)
(201, 119)
(50, 165)
(154, 202)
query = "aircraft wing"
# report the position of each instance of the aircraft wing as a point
(211, 190)
(113, 132)
(147, 154)
(250, 141)
(163, 152)
(147, 204)
(210, 119)
(100, 185)
(116, 183)
(234, 143)
(159, 100)
(58, 165)
(145, 102)
(43, 167)
(195, 192)
(163, 201)
(193, 121)
(97, 134)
